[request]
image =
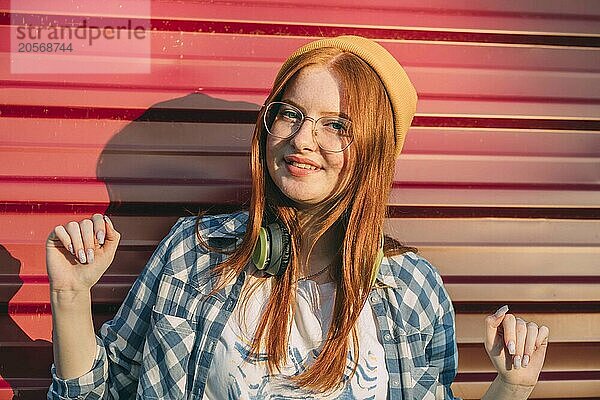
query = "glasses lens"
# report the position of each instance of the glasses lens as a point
(333, 133)
(283, 120)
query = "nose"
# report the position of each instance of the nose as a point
(305, 137)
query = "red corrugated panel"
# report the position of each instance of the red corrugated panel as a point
(498, 184)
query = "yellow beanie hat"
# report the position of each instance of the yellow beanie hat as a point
(398, 86)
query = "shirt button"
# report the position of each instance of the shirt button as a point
(395, 383)
(211, 345)
(374, 297)
(387, 337)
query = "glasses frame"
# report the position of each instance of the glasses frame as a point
(304, 118)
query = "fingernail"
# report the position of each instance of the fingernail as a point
(517, 362)
(501, 311)
(525, 360)
(70, 248)
(100, 236)
(511, 347)
(90, 255)
(107, 219)
(81, 256)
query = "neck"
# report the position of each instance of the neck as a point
(324, 251)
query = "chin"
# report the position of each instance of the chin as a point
(304, 202)
(300, 201)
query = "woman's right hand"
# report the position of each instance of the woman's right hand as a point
(93, 243)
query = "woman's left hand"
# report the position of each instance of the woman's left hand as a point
(516, 347)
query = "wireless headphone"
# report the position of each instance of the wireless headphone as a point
(272, 251)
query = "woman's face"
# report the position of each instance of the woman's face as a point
(315, 91)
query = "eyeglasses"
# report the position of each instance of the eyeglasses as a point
(283, 120)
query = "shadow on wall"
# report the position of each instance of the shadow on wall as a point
(179, 156)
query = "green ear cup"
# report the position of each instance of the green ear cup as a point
(272, 251)
(261, 250)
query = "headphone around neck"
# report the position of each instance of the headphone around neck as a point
(272, 251)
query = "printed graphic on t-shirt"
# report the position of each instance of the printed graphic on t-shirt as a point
(244, 382)
(237, 376)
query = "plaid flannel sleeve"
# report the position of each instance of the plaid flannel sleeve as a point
(119, 344)
(442, 350)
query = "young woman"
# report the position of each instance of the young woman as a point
(298, 296)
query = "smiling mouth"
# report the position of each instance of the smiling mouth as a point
(302, 166)
(298, 171)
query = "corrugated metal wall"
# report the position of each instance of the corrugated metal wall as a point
(498, 185)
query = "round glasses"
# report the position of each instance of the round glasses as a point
(283, 120)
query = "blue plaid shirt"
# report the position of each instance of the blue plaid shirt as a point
(161, 342)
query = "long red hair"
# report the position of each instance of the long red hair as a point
(357, 206)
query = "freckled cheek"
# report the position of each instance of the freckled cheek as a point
(336, 165)
(333, 173)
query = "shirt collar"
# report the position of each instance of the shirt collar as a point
(232, 226)
(386, 275)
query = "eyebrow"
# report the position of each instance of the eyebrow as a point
(339, 114)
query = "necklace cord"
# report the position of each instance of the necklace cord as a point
(318, 272)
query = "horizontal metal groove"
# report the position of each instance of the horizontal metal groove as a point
(570, 307)
(513, 122)
(500, 98)
(26, 386)
(155, 114)
(106, 309)
(496, 10)
(174, 149)
(317, 30)
(496, 212)
(128, 87)
(544, 376)
(503, 186)
(520, 279)
(158, 114)
(172, 209)
(107, 279)
(449, 9)
(125, 180)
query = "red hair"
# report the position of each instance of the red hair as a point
(357, 206)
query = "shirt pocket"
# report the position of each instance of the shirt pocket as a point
(425, 382)
(417, 342)
(165, 364)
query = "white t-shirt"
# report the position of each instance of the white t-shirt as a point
(231, 377)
